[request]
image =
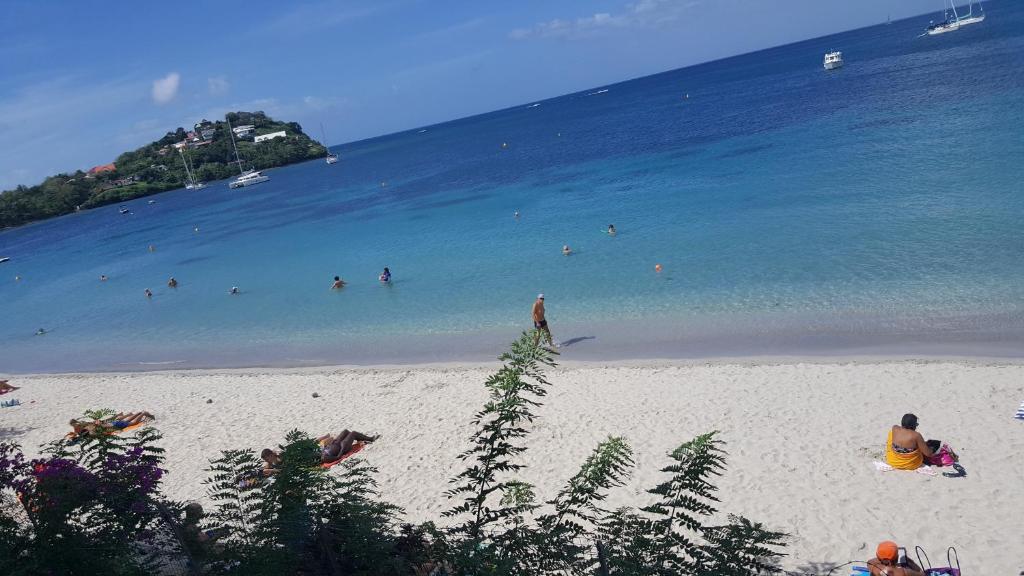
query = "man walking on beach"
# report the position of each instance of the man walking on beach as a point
(540, 323)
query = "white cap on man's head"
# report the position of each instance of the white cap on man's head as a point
(540, 296)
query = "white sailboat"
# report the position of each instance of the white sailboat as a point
(192, 183)
(246, 177)
(956, 22)
(971, 17)
(331, 158)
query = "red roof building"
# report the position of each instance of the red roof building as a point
(103, 168)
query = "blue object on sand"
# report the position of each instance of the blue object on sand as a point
(10, 404)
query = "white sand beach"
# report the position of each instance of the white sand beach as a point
(801, 437)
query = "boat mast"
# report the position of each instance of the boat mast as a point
(324, 134)
(188, 174)
(233, 145)
(192, 167)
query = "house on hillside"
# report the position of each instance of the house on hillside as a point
(270, 136)
(101, 169)
(241, 131)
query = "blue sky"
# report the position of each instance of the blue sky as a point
(81, 82)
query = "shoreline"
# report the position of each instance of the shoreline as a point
(563, 364)
(974, 360)
(647, 340)
(766, 409)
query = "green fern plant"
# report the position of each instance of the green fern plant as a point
(568, 531)
(515, 391)
(99, 413)
(304, 519)
(681, 542)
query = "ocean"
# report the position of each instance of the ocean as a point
(875, 209)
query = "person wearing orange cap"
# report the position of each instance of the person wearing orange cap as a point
(888, 562)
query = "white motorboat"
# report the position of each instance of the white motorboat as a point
(4, 259)
(248, 179)
(833, 60)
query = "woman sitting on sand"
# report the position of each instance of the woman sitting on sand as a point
(5, 387)
(906, 449)
(333, 447)
(113, 423)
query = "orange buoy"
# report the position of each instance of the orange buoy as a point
(657, 267)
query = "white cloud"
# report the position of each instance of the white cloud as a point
(218, 85)
(166, 88)
(642, 14)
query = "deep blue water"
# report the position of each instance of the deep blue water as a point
(877, 208)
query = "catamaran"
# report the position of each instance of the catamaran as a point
(331, 158)
(191, 183)
(950, 24)
(246, 177)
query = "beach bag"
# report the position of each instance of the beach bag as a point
(944, 456)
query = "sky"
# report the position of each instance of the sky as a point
(81, 82)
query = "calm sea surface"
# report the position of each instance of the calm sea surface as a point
(876, 208)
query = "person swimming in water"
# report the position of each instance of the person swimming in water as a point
(172, 283)
(149, 294)
(516, 215)
(234, 290)
(338, 283)
(566, 250)
(103, 277)
(41, 331)
(385, 276)
(611, 229)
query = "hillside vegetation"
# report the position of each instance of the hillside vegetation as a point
(158, 167)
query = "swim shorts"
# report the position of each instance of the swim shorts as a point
(541, 324)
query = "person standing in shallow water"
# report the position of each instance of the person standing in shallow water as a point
(540, 323)
(338, 283)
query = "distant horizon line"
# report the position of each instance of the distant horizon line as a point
(519, 104)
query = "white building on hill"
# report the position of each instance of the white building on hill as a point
(270, 136)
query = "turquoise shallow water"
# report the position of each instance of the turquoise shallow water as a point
(876, 208)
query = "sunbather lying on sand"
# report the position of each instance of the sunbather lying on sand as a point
(905, 448)
(119, 421)
(5, 387)
(333, 447)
